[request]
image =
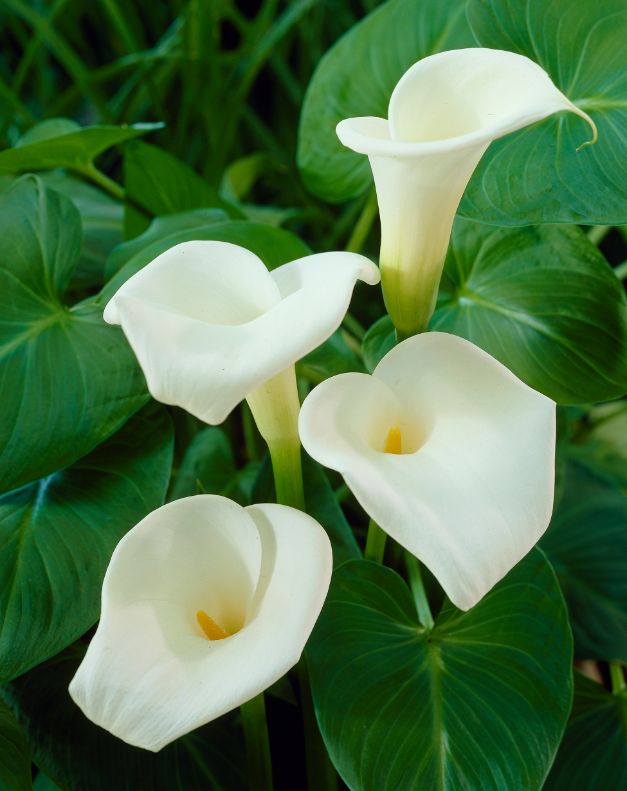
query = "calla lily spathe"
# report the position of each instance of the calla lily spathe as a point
(447, 451)
(204, 605)
(443, 114)
(210, 324)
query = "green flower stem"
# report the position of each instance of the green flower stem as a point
(257, 743)
(107, 184)
(418, 590)
(621, 271)
(375, 543)
(275, 407)
(321, 775)
(597, 233)
(617, 676)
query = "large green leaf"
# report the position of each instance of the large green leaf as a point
(162, 184)
(57, 536)
(537, 174)
(357, 76)
(593, 755)
(479, 701)
(273, 245)
(14, 753)
(69, 380)
(587, 545)
(61, 143)
(78, 755)
(542, 300)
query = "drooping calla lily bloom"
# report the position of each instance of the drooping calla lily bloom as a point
(210, 326)
(448, 451)
(209, 323)
(443, 114)
(204, 605)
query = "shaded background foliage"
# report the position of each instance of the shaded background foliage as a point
(193, 119)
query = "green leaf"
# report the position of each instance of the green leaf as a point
(161, 228)
(78, 378)
(57, 536)
(379, 339)
(162, 184)
(593, 754)
(14, 753)
(334, 356)
(321, 505)
(273, 245)
(544, 302)
(101, 219)
(479, 701)
(60, 143)
(357, 76)
(537, 174)
(208, 467)
(78, 755)
(587, 544)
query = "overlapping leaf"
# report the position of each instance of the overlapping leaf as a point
(57, 536)
(69, 380)
(479, 701)
(537, 174)
(542, 300)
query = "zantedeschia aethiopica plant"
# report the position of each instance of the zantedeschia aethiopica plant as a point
(443, 114)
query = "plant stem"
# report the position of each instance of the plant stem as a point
(107, 184)
(617, 676)
(375, 543)
(257, 743)
(597, 233)
(418, 590)
(321, 775)
(363, 224)
(621, 271)
(275, 407)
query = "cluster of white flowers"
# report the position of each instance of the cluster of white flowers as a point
(205, 603)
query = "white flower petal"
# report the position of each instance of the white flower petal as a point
(207, 333)
(443, 114)
(150, 675)
(477, 492)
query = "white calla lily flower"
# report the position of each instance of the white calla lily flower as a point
(204, 605)
(443, 114)
(209, 323)
(448, 451)
(210, 326)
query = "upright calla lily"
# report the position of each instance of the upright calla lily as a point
(443, 114)
(210, 326)
(447, 451)
(204, 605)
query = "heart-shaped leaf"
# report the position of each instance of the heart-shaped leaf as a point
(542, 300)
(69, 380)
(57, 536)
(593, 754)
(357, 77)
(537, 174)
(587, 545)
(478, 701)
